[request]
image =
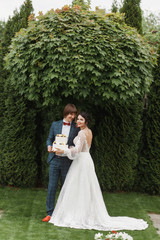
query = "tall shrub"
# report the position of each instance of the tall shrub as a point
(114, 7)
(133, 13)
(148, 176)
(17, 140)
(151, 28)
(116, 145)
(2, 98)
(18, 166)
(15, 23)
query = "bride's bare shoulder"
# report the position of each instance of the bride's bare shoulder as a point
(86, 132)
(90, 131)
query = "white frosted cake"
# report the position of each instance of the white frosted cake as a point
(60, 142)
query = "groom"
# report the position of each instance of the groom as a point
(59, 165)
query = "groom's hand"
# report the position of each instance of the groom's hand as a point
(50, 149)
(59, 151)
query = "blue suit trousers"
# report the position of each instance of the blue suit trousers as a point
(58, 168)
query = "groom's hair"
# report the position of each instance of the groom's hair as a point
(69, 108)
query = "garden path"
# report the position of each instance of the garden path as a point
(156, 221)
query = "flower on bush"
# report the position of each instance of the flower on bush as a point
(113, 236)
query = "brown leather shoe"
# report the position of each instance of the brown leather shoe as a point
(46, 219)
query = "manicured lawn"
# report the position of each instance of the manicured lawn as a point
(25, 208)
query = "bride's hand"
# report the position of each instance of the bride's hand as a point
(71, 147)
(58, 151)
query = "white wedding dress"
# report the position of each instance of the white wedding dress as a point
(80, 203)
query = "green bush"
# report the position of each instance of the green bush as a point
(18, 152)
(72, 52)
(133, 13)
(18, 165)
(116, 145)
(148, 175)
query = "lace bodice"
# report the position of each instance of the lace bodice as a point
(81, 145)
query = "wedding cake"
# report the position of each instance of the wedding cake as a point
(60, 142)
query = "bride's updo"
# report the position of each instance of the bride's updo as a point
(85, 116)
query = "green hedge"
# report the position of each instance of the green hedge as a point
(116, 145)
(18, 152)
(148, 175)
(18, 164)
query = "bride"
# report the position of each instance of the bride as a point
(80, 203)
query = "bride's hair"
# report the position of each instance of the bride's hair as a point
(85, 116)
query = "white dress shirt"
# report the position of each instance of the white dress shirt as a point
(66, 129)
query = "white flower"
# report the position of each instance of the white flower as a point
(98, 236)
(115, 235)
(125, 236)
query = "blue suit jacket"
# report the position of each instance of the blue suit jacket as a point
(56, 128)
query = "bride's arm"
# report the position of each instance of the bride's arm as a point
(72, 152)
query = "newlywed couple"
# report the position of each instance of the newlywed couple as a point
(80, 203)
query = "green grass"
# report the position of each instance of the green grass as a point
(25, 208)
